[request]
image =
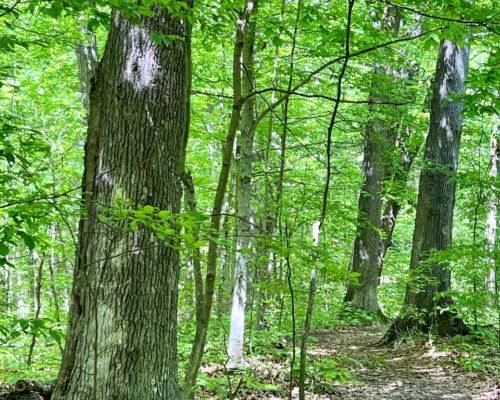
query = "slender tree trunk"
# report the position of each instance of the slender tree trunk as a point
(436, 200)
(393, 205)
(52, 273)
(37, 306)
(491, 221)
(123, 320)
(244, 227)
(203, 320)
(307, 326)
(7, 278)
(270, 210)
(227, 256)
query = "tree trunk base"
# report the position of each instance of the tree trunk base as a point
(384, 319)
(444, 324)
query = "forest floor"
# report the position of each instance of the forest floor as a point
(405, 371)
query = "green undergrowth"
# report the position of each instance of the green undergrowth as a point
(16, 337)
(477, 352)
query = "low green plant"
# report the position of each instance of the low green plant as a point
(322, 373)
(353, 316)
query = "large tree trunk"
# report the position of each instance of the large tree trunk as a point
(244, 227)
(370, 246)
(123, 319)
(365, 258)
(436, 200)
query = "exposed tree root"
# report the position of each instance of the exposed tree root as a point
(445, 324)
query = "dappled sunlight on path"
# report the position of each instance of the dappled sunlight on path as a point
(401, 372)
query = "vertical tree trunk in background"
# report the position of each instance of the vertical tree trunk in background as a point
(86, 59)
(123, 319)
(491, 221)
(37, 303)
(223, 298)
(379, 140)
(202, 322)
(436, 200)
(393, 205)
(7, 275)
(243, 193)
(270, 208)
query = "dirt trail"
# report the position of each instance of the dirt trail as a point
(405, 372)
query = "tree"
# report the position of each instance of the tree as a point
(428, 303)
(205, 290)
(491, 221)
(122, 334)
(384, 131)
(243, 192)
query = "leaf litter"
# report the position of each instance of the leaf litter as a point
(403, 371)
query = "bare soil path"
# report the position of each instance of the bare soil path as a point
(407, 371)
(404, 372)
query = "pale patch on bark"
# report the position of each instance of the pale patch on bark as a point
(142, 65)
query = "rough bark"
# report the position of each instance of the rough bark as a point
(365, 258)
(393, 206)
(370, 246)
(435, 203)
(86, 59)
(123, 319)
(244, 193)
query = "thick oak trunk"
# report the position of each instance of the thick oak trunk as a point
(436, 200)
(365, 258)
(381, 136)
(123, 319)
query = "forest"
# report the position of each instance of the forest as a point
(234, 199)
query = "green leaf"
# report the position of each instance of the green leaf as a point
(187, 237)
(430, 43)
(146, 11)
(56, 336)
(93, 24)
(156, 37)
(28, 240)
(163, 214)
(148, 209)
(4, 250)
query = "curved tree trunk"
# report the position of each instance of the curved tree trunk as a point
(123, 319)
(436, 200)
